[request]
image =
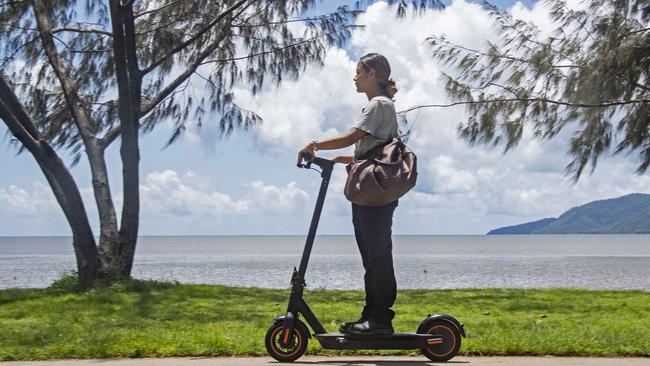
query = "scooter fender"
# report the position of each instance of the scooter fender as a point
(444, 317)
(296, 322)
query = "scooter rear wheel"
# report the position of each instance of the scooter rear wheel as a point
(297, 344)
(450, 345)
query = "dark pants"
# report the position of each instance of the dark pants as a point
(372, 229)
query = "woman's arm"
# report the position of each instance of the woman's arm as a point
(343, 140)
(337, 142)
(343, 159)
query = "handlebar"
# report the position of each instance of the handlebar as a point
(306, 157)
(310, 159)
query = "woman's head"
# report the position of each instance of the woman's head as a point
(373, 71)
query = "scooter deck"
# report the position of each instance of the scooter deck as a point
(391, 341)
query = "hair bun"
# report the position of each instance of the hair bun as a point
(391, 88)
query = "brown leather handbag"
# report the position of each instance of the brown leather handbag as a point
(385, 174)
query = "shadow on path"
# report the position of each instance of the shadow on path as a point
(378, 363)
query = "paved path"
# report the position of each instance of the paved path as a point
(347, 361)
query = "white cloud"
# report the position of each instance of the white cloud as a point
(178, 202)
(166, 194)
(448, 177)
(479, 186)
(18, 201)
(322, 102)
(460, 189)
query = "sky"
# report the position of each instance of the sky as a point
(249, 185)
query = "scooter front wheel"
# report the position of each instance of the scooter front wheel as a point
(447, 347)
(297, 343)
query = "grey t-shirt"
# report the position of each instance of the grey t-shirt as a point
(379, 119)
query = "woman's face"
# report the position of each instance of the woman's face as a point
(364, 80)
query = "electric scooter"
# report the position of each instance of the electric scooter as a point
(438, 336)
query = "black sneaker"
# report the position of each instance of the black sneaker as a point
(371, 328)
(345, 327)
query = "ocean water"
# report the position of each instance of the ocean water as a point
(425, 262)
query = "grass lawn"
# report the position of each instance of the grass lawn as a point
(152, 319)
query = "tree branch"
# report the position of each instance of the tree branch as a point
(273, 50)
(543, 100)
(330, 15)
(13, 26)
(22, 127)
(638, 85)
(68, 84)
(502, 87)
(82, 30)
(635, 32)
(161, 26)
(502, 16)
(193, 38)
(16, 51)
(136, 16)
(91, 51)
(111, 135)
(115, 131)
(11, 3)
(64, 43)
(189, 70)
(16, 111)
(216, 86)
(500, 55)
(152, 103)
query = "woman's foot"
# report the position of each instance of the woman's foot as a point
(370, 327)
(345, 327)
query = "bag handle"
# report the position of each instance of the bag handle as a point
(400, 159)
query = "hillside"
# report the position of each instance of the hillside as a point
(526, 228)
(623, 215)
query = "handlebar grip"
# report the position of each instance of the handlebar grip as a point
(307, 157)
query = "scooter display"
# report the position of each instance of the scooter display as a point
(438, 336)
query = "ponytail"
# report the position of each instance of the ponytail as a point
(389, 88)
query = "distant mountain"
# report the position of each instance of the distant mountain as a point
(526, 228)
(623, 215)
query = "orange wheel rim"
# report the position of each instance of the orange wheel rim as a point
(453, 338)
(279, 349)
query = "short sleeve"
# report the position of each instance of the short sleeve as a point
(370, 117)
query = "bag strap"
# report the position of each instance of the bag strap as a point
(374, 152)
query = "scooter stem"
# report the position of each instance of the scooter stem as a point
(327, 167)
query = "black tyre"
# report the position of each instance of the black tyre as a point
(450, 344)
(296, 348)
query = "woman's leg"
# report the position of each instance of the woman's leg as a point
(376, 226)
(363, 250)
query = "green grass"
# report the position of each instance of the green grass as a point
(152, 319)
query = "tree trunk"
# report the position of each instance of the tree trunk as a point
(63, 185)
(94, 148)
(108, 237)
(67, 194)
(129, 81)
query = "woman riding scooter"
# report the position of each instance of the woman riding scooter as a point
(376, 125)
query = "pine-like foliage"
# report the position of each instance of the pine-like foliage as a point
(191, 54)
(591, 73)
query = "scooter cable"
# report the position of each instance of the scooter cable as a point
(320, 172)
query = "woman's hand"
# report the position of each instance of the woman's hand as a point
(309, 149)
